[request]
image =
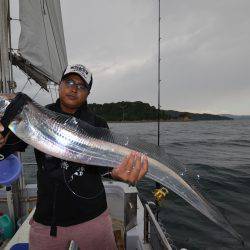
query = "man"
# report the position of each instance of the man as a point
(71, 201)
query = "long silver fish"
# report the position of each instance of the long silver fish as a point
(67, 138)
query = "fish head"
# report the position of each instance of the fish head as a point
(5, 100)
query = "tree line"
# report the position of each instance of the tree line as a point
(139, 111)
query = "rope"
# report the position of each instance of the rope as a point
(28, 80)
(56, 91)
(51, 94)
(36, 94)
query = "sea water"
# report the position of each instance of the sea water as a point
(217, 151)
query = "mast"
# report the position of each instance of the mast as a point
(7, 86)
(159, 72)
(10, 48)
(4, 46)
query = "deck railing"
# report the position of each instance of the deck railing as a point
(153, 233)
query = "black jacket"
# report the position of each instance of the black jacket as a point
(68, 196)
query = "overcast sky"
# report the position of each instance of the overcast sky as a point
(205, 51)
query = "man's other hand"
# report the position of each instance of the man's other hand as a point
(132, 168)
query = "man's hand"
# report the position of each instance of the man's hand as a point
(2, 138)
(132, 168)
(8, 96)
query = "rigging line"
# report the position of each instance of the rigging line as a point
(56, 86)
(54, 39)
(36, 93)
(22, 179)
(28, 80)
(26, 74)
(56, 91)
(51, 94)
(25, 70)
(43, 15)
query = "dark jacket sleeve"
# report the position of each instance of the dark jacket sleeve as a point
(13, 144)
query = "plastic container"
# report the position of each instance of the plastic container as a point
(20, 246)
(6, 226)
(10, 170)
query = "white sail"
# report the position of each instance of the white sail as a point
(41, 41)
(4, 45)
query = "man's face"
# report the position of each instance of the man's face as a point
(72, 91)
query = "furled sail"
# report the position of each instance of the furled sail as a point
(42, 50)
(30, 70)
(4, 46)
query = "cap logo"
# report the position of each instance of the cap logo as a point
(80, 69)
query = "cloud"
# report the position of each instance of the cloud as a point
(205, 52)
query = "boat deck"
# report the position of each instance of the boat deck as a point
(127, 213)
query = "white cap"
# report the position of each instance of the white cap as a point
(80, 70)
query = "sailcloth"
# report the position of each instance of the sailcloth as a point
(42, 51)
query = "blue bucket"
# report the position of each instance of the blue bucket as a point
(20, 246)
(10, 170)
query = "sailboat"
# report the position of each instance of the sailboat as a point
(42, 56)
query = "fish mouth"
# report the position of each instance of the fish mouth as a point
(5, 100)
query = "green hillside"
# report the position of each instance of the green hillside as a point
(139, 111)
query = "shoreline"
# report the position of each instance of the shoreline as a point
(145, 121)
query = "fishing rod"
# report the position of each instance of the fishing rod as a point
(159, 72)
(159, 192)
